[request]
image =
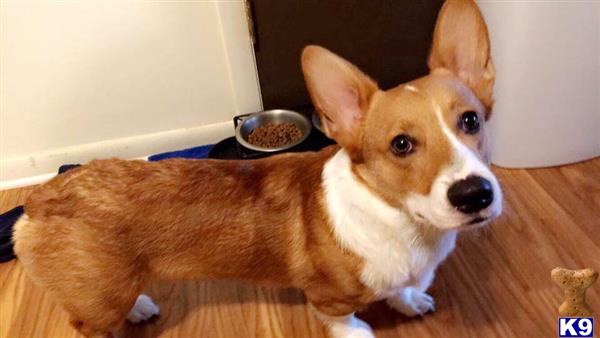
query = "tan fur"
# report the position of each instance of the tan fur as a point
(92, 237)
(342, 122)
(95, 234)
(461, 45)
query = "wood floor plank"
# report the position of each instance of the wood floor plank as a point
(496, 283)
(581, 187)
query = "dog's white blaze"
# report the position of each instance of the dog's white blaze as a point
(436, 207)
(468, 162)
(397, 252)
(471, 165)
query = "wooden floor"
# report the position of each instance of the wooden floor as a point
(496, 284)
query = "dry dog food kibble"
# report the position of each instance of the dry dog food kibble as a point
(273, 135)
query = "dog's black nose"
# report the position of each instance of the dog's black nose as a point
(471, 194)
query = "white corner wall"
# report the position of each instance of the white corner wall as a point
(547, 57)
(80, 80)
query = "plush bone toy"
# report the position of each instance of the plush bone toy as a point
(574, 283)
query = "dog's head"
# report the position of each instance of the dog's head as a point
(422, 146)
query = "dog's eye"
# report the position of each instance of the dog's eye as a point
(469, 122)
(402, 145)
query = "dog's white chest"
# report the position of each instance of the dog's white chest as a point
(396, 252)
(402, 263)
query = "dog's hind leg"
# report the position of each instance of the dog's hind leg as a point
(108, 323)
(143, 309)
(107, 319)
(92, 275)
(101, 308)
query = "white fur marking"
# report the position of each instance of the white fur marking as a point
(143, 309)
(397, 251)
(471, 165)
(345, 326)
(411, 302)
(411, 88)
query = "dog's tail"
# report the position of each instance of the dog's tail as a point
(7, 221)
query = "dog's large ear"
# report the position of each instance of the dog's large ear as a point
(461, 45)
(341, 94)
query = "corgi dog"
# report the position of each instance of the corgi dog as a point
(364, 220)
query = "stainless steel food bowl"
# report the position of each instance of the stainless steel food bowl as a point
(276, 116)
(316, 121)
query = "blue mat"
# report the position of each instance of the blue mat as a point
(8, 219)
(6, 222)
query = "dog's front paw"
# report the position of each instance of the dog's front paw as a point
(411, 302)
(353, 328)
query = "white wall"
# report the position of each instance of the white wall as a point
(93, 79)
(547, 56)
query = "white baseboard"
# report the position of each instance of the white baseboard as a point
(37, 168)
